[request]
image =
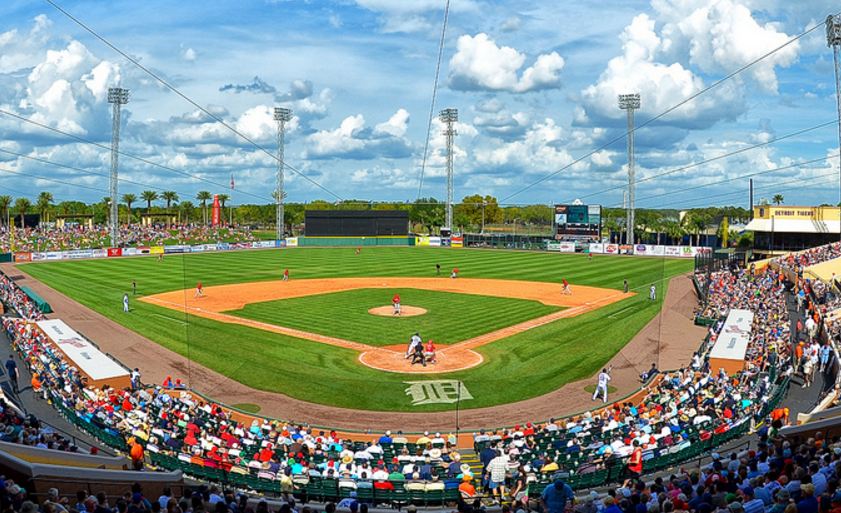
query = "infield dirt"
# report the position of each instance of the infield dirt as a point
(224, 298)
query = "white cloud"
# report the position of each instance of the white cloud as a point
(539, 150)
(722, 36)
(479, 64)
(354, 140)
(661, 86)
(189, 55)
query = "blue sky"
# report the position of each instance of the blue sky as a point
(535, 83)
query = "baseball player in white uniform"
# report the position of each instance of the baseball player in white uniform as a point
(601, 386)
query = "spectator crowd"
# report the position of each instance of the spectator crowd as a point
(44, 238)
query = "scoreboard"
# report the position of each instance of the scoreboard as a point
(578, 222)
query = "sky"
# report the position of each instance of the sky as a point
(535, 83)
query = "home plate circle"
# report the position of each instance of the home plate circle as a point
(405, 311)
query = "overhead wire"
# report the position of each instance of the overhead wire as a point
(665, 112)
(716, 158)
(434, 94)
(124, 153)
(86, 171)
(188, 99)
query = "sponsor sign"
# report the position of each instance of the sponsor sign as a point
(611, 249)
(435, 241)
(596, 248)
(23, 256)
(198, 248)
(81, 352)
(115, 252)
(156, 250)
(100, 253)
(176, 249)
(263, 244)
(732, 342)
(280, 243)
(457, 242)
(291, 242)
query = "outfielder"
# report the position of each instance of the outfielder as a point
(601, 386)
(125, 303)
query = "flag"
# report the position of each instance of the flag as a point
(232, 181)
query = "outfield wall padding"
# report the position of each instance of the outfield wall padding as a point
(355, 241)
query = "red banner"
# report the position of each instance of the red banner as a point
(217, 211)
(115, 252)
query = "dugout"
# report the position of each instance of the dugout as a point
(356, 223)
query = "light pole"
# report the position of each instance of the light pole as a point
(833, 39)
(117, 96)
(281, 115)
(629, 103)
(484, 204)
(449, 117)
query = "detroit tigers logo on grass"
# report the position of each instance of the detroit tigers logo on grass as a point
(439, 391)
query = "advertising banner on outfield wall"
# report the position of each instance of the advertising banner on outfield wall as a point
(596, 248)
(78, 253)
(156, 250)
(563, 247)
(280, 243)
(263, 244)
(176, 249)
(292, 242)
(611, 249)
(23, 256)
(457, 242)
(115, 252)
(435, 241)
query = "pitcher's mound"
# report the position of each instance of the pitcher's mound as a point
(405, 311)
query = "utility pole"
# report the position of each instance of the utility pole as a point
(629, 103)
(117, 96)
(833, 39)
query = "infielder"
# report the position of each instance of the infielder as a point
(567, 289)
(604, 379)
(652, 293)
(199, 291)
(286, 275)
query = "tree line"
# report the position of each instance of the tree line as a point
(474, 213)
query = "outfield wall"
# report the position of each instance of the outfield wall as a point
(393, 241)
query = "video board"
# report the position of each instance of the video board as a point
(578, 222)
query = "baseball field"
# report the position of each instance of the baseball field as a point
(504, 328)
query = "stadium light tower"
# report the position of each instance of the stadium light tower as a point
(449, 116)
(281, 115)
(117, 96)
(629, 103)
(833, 39)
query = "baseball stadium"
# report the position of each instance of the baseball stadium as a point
(524, 313)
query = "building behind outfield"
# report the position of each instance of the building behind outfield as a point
(786, 228)
(356, 223)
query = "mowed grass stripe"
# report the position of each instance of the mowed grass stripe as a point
(450, 317)
(518, 367)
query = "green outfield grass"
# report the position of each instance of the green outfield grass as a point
(450, 318)
(525, 365)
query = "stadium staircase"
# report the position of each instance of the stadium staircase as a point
(470, 457)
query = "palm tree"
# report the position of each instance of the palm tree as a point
(169, 197)
(22, 205)
(128, 199)
(778, 199)
(5, 203)
(45, 200)
(186, 207)
(204, 196)
(674, 230)
(149, 197)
